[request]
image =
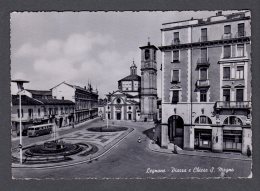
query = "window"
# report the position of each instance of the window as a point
(203, 74)
(147, 54)
(18, 113)
(204, 54)
(240, 50)
(30, 112)
(118, 100)
(232, 120)
(240, 72)
(176, 38)
(227, 51)
(203, 96)
(108, 116)
(175, 96)
(39, 112)
(203, 120)
(239, 95)
(226, 94)
(226, 72)
(204, 35)
(129, 107)
(227, 29)
(175, 76)
(241, 29)
(175, 56)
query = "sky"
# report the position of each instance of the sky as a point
(48, 48)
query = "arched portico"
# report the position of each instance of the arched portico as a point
(176, 130)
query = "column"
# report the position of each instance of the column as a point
(217, 138)
(246, 139)
(164, 135)
(188, 142)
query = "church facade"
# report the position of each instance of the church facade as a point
(136, 97)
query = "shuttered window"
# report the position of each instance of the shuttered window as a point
(203, 74)
(241, 29)
(239, 95)
(227, 29)
(175, 56)
(227, 51)
(226, 95)
(175, 75)
(226, 73)
(204, 34)
(175, 96)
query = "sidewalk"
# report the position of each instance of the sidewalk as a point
(14, 138)
(225, 155)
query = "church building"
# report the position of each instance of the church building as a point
(136, 97)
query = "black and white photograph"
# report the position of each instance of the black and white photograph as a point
(131, 95)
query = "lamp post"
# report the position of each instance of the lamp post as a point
(20, 89)
(107, 116)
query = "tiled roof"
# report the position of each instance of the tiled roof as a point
(131, 77)
(56, 102)
(40, 92)
(31, 101)
(25, 100)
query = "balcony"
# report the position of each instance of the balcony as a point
(202, 83)
(227, 36)
(203, 39)
(203, 62)
(175, 41)
(233, 105)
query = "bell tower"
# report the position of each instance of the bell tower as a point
(148, 82)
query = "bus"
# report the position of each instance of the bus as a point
(40, 130)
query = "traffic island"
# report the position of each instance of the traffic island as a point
(71, 149)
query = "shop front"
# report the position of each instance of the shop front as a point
(203, 139)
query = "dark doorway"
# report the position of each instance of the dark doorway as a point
(129, 116)
(118, 116)
(176, 130)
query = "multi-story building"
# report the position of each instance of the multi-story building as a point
(206, 83)
(85, 99)
(40, 111)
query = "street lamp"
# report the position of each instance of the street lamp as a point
(107, 116)
(20, 89)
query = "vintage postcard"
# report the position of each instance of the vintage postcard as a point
(131, 95)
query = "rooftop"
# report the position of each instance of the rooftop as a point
(131, 77)
(40, 92)
(219, 17)
(26, 100)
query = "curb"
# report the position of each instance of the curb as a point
(76, 163)
(193, 154)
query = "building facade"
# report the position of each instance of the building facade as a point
(85, 99)
(124, 104)
(206, 83)
(40, 111)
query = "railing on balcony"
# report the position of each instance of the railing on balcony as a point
(175, 41)
(202, 83)
(203, 62)
(203, 39)
(233, 104)
(227, 36)
(240, 34)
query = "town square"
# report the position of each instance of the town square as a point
(106, 101)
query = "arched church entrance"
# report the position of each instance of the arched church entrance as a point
(176, 130)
